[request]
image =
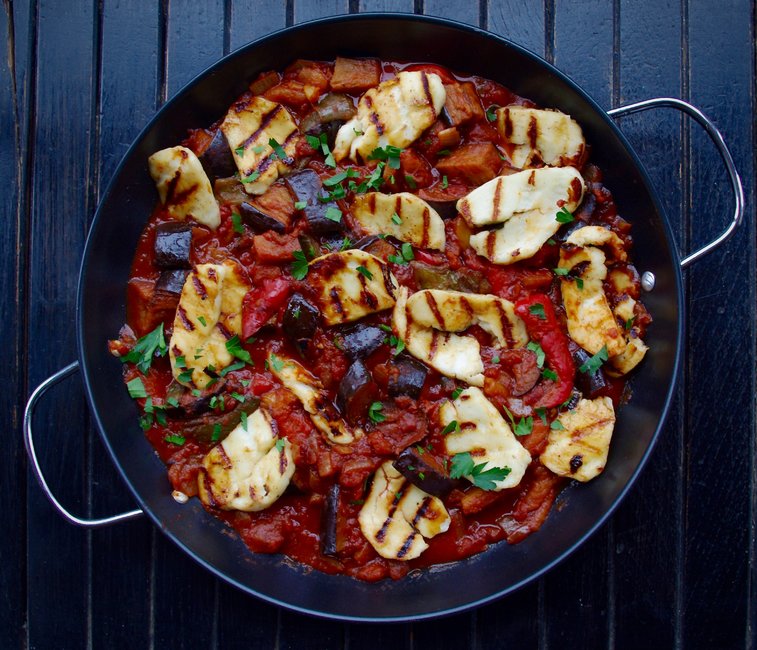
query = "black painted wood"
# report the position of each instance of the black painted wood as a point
(675, 565)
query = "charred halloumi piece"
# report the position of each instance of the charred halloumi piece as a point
(183, 186)
(591, 322)
(403, 216)
(541, 137)
(527, 203)
(249, 127)
(350, 285)
(579, 450)
(635, 349)
(397, 515)
(309, 390)
(427, 320)
(249, 470)
(483, 432)
(393, 113)
(208, 315)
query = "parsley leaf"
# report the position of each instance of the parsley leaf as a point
(235, 349)
(559, 271)
(456, 393)
(389, 153)
(549, 374)
(396, 219)
(334, 214)
(239, 151)
(136, 388)
(542, 413)
(406, 255)
(451, 426)
(244, 421)
(185, 377)
(276, 363)
(445, 182)
(252, 177)
(364, 271)
(592, 365)
(374, 412)
(280, 444)
(202, 320)
(537, 309)
(278, 150)
(175, 439)
(410, 182)
(629, 323)
(463, 465)
(537, 349)
(524, 427)
(259, 149)
(234, 366)
(557, 426)
(151, 344)
(563, 216)
(216, 433)
(300, 265)
(236, 223)
(300, 205)
(491, 112)
(397, 343)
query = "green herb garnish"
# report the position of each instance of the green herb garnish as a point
(300, 265)
(593, 364)
(463, 465)
(374, 412)
(150, 345)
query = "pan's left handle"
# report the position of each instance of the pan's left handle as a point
(28, 440)
(725, 154)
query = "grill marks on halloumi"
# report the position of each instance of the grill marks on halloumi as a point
(591, 322)
(394, 113)
(541, 137)
(183, 186)
(247, 471)
(249, 126)
(397, 515)
(484, 433)
(307, 388)
(426, 321)
(350, 285)
(580, 450)
(208, 315)
(527, 203)
(419, 224)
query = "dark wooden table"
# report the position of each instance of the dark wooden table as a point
(674, 567)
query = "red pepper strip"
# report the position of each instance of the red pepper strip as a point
(545, 330)
(261, 303)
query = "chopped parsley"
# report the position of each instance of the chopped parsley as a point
(537, 349)
(300, 205)
(259, 149)
(456, 393)
(396, 219)
(495, 358)
(559, 271)
(491, 112)
(276, 363)
(234, 366)
(386, 328)
(389, 153)
(278, 150)
(364, 271)
(252, 177)
(236, 223)
(443, 152)
(406, 255)
(239, 398)
(537, 309)
(593, 364)
(244, 421)
(549, 374)
(239, 151)
(296, 312)
(280, 444)
(524, 426)
(299, 266)
(463, 465)
(445, 182)
(579, 283)
(563, 216)
(542, 413)
(235, 349)
(338, 178)
(397, 343)
(216, 433)
(202, 320)
(136, 388)
(150, 345)
(185, 377)
(451, 426)
(175, 439)
(334, 214)
(374, 412)
(629, 323)
(181, 362)
(556, 426)
(410, 182)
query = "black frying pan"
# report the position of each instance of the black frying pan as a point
(445, 589)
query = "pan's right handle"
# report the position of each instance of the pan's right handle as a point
(717, 138)
(28, 440)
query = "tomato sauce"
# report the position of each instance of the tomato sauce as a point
(293, 524)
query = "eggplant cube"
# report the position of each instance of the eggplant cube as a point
(299, 321)
(407, 377)
(217, 160)
(356, 391)
(362, 340)
(173, 245)
(260, 221)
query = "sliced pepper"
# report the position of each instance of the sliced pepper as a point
(261, 303)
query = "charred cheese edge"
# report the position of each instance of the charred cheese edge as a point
(580, 449)
(527, 203)
(350, 285)
(403, 216)
(183, 186)
(397, 515)
(394, 113)
(307, 388)
(247, 471)
(635, 349)
(208, 315)
(250, 126)
(483, 432)
(541, 137)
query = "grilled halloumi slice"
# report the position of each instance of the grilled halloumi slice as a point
(183, 186)
(541, 137)
(394, 113)
(591, 322)
(249, 127)
(249, 470)
(527, 203)
(350, 285)
(208, 315)
(404, 216)
(635, 349)
(397, 515)
(426, 321)
(579, 450)
(309, 390)
(483, 432)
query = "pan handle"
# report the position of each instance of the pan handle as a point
(725, 154)
(28, 440)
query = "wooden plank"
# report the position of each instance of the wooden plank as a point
(194, 40)
(405, 6)
(128, 88)
(16, 73)
(251, 19)
(716, 570)
(648, 548)
(465, 12)
(305, 10)
(57, 553)
(378, 637)
(521, 22)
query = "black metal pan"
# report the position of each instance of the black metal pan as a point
(445, 589)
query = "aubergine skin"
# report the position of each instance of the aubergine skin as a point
(305, 186)
(590, 384)
(329, 520)
(360, 341)
(422, 472)
(217, 160)
(171, 281)
(406, 376)
(300, 321)
(356, 392)
(173, 245)
(317, 220)
(260, 221)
